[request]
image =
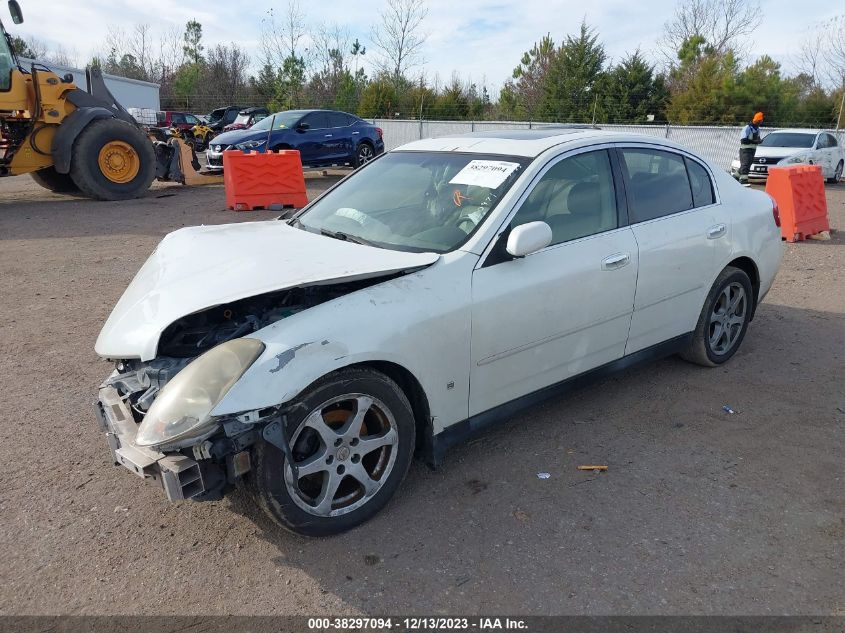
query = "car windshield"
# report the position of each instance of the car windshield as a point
(279, 121)
(415, 201)
(216, 115)
(789, 139)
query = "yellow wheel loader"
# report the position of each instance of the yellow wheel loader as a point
(75, 141)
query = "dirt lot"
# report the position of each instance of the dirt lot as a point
(700, 512)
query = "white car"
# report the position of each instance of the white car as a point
(795, 147)
(433, 292)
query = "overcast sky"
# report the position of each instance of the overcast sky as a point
(478, 39)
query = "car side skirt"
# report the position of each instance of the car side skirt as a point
(435, 446)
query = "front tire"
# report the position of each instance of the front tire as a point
(352, 437)
(112, 160)
(723, 321)
(837, 175)
(50, 179)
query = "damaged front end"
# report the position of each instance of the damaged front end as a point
(157, 414)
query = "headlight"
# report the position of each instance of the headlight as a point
(794, 160)
(250, 144)
(181, 413)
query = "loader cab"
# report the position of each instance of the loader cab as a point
(7, 64)
(8, 60)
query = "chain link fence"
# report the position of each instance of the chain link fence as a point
(719, 145)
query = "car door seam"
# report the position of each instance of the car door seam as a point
(526, 346)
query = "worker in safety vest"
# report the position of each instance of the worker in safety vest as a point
(748, 146)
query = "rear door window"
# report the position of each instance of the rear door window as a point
(338, 119)
(657, 183)
(316, 121)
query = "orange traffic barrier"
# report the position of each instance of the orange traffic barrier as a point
(799, 193)
(263, 180)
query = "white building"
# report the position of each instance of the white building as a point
(130, 93)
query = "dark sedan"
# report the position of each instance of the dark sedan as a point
(323, 138)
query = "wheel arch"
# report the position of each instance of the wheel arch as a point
(415, 393)
(69, 130)
(747, 265)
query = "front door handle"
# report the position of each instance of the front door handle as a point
(328, 135)
(716, 231)
(614, 262)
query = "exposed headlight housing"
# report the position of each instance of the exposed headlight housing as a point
(181, 414)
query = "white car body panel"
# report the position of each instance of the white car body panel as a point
(674, 252)
(204, 266)
(529, 336)
(473, 337)
(430, 337)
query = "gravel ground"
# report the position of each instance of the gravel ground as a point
(700, 512)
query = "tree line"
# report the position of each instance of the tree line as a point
(707, 74)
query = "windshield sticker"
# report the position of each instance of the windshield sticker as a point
(484, 173)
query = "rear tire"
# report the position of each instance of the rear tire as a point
(364, 154)
(837, 175)
(347, 471)
(723, 321)
(50, 179)
(112, 160)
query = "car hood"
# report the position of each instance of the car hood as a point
(778, 152)
(201, 267)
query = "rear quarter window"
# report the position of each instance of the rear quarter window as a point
(700, 183)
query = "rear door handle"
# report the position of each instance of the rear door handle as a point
(328, 135)
(613, 262)
(354, 133)
(716, 231)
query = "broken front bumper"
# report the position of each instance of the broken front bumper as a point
(180, 476)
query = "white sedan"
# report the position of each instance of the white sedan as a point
(430, 294)
(797, 147)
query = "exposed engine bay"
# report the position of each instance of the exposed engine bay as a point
(139, 382)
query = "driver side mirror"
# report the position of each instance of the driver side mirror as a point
(15, 11)
(302, 127)
(529, 238)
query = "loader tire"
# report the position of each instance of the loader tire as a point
(112, 160)
(50, 179)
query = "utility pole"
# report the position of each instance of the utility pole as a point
(841, 106)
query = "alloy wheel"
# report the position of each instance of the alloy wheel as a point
(343, 453)
(727, 318)
(365, 154)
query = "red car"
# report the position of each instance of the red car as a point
(182, 120)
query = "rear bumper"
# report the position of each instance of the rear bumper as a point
(179, 476)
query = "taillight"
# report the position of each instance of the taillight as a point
(775, 210)
(381, 135)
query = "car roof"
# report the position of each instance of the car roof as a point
(530, 143)
(798, 130)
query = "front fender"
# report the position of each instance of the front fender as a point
(68, 131)
(420, 322)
